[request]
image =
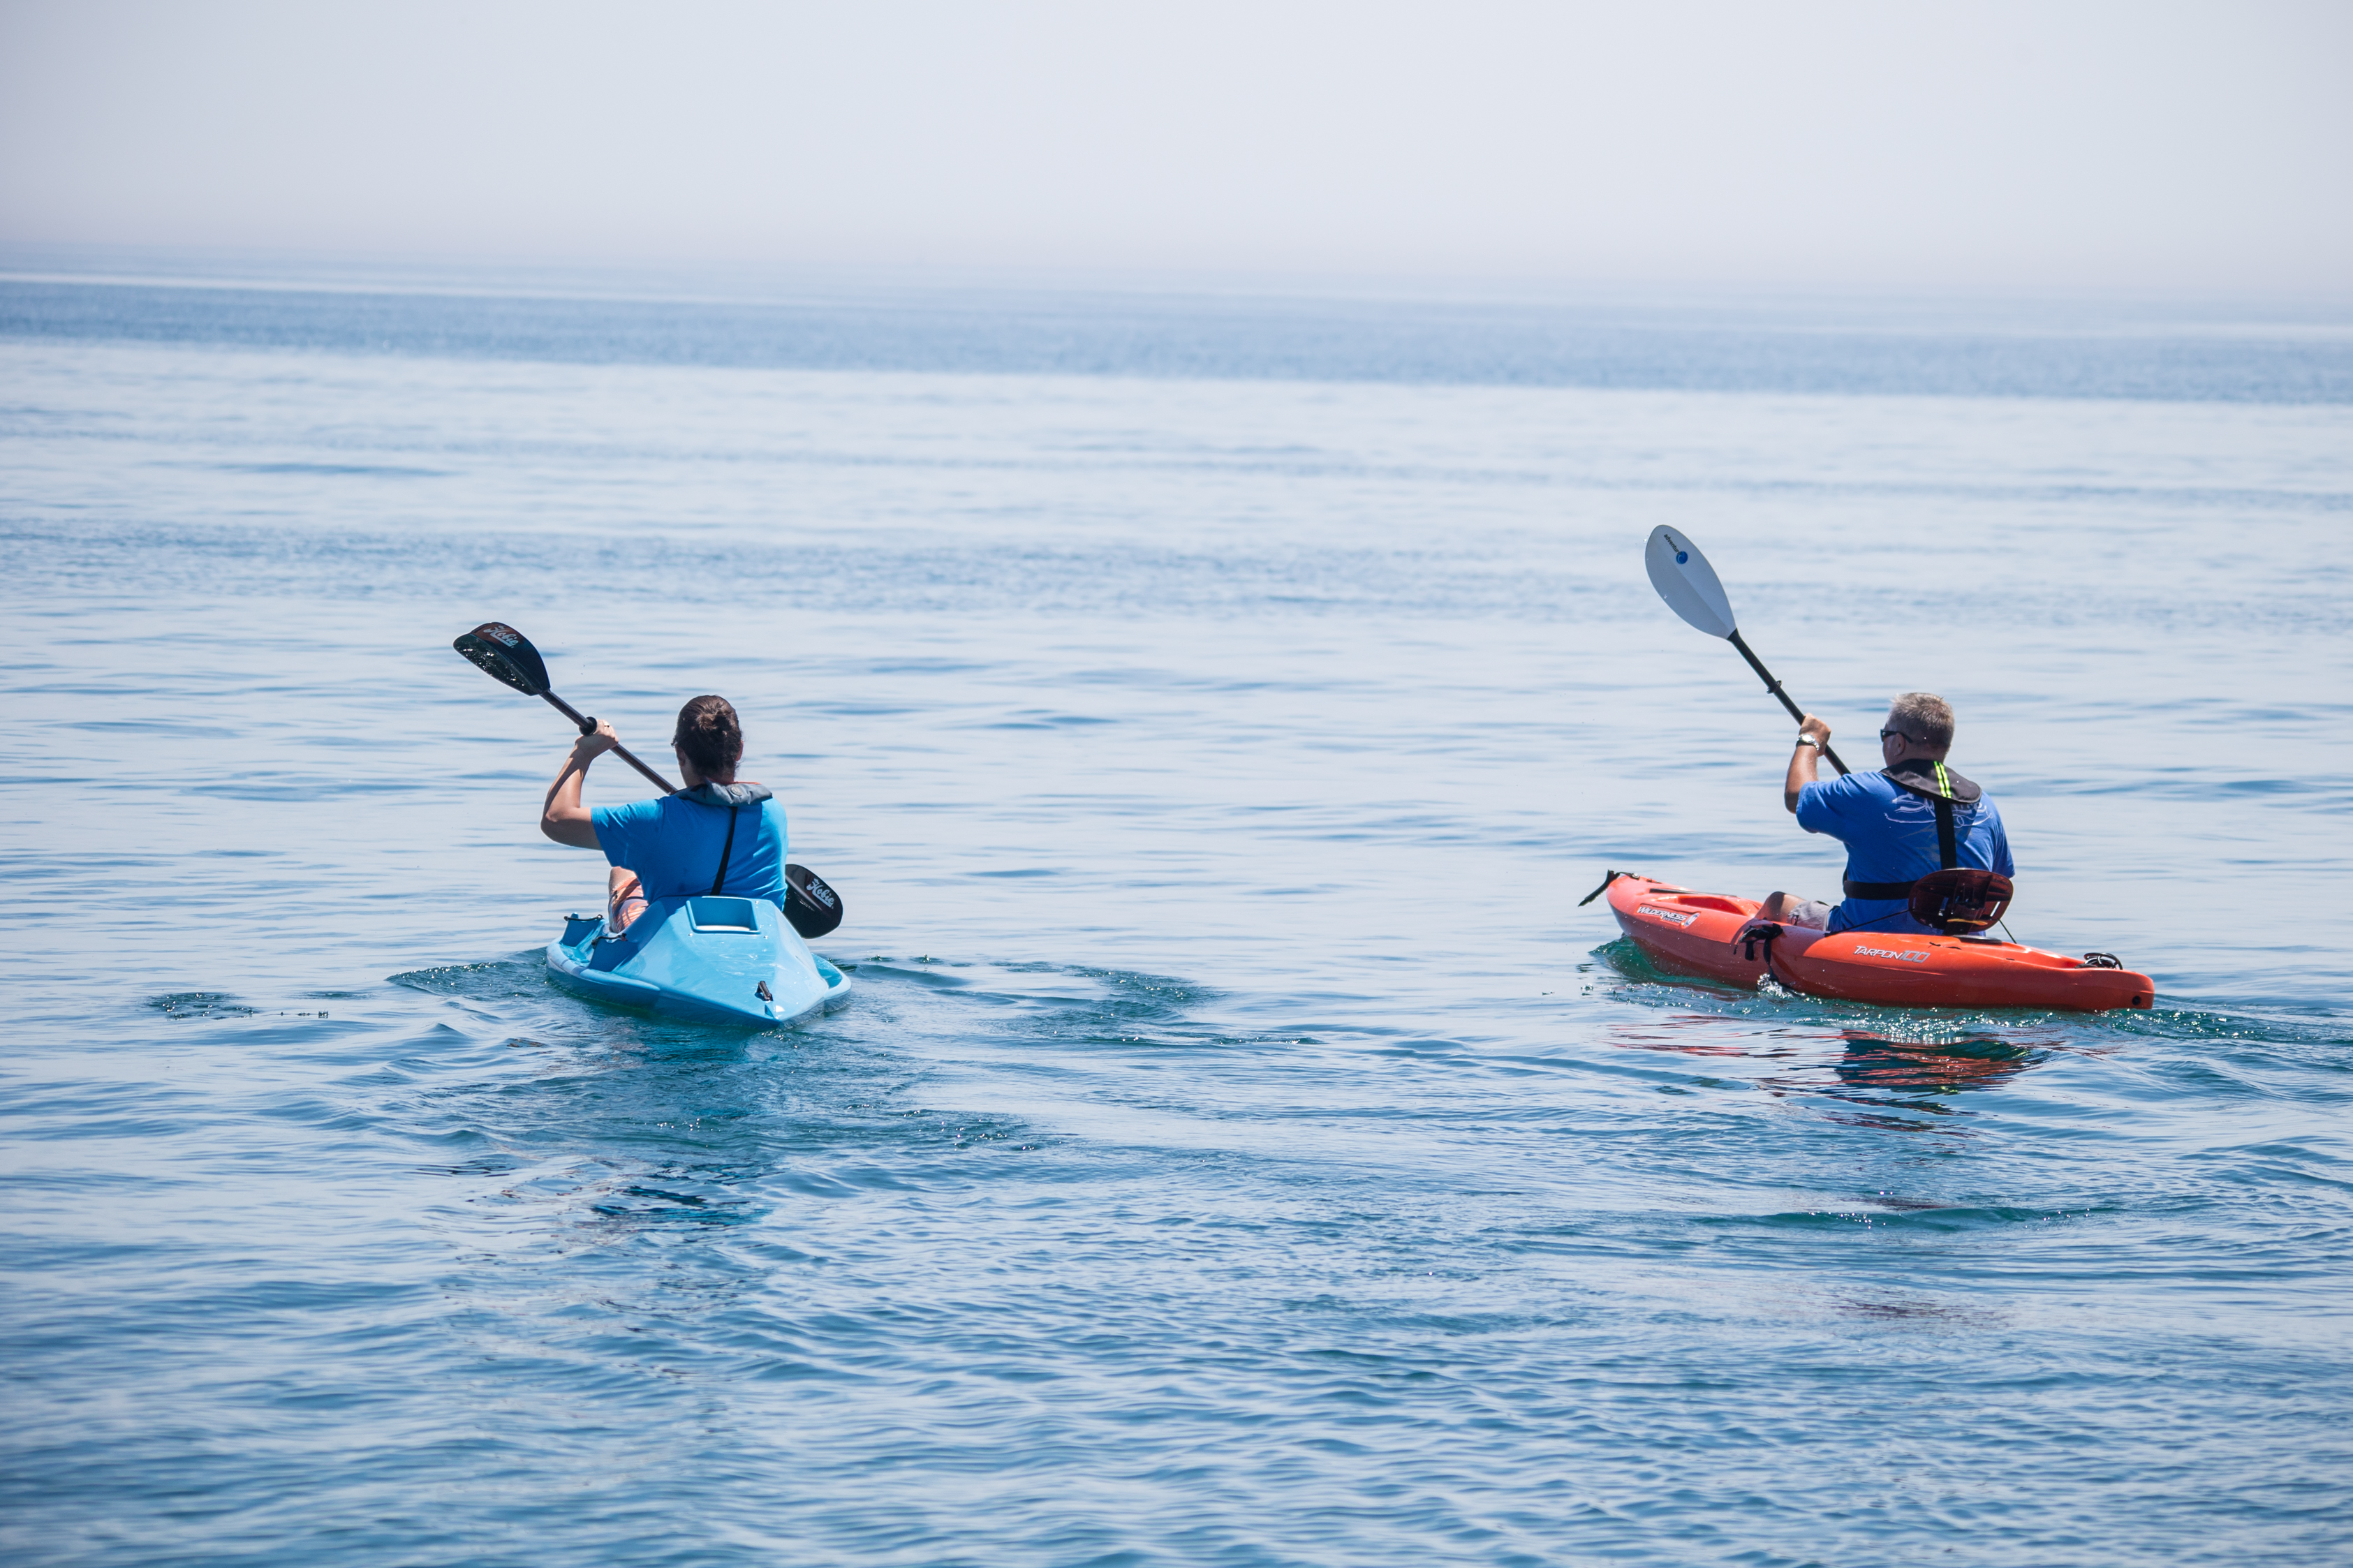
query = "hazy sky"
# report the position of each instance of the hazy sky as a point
(1897, 142)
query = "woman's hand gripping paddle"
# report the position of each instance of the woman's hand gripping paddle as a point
(1687, 582)
(812, 905)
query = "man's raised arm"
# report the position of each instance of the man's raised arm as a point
(1812, 736)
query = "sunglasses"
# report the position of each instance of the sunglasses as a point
(1898, 734)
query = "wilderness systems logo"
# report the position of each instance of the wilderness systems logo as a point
(1861, 951)
(1672, 917)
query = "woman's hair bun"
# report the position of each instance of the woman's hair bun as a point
(710, 735)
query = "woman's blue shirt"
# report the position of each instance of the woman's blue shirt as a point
(672, 843)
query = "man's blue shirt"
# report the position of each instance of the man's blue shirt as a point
(673, 843)
(1890, 835)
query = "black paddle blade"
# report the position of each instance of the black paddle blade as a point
(814, 908)
(507, 654)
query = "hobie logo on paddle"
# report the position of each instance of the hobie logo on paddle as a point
(1861, 951)
(1671, 916)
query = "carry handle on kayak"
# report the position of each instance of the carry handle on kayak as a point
(1596, 893)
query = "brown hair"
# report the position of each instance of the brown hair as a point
(710, 735)
(1925, 717)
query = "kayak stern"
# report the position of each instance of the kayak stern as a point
(726, 961)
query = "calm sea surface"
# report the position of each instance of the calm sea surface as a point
(1243, 1148)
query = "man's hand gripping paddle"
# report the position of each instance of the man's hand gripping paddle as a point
(812, 905)
(1687, 582)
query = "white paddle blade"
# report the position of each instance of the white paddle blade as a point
(1687, 582)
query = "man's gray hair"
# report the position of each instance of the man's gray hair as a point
(1925, 717)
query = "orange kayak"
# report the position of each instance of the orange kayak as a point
(1687, 932)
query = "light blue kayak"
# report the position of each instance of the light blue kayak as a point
(714, 960)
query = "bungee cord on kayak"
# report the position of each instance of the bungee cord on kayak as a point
(1928, 867)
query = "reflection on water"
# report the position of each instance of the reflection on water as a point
(1896, 1078)
(1913, 1310)
(1910, 1067)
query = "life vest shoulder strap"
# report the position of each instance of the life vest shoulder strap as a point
(1943, 789)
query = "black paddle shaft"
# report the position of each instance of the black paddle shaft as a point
(506, 656)
(588, 727)
(1774, 687)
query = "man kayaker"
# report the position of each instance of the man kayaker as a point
(714, 836)
(1913, 816)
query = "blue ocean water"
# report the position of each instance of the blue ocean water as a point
(1243, 1147)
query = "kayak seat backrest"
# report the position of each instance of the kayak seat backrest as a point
(1960, 899)
(723, 915)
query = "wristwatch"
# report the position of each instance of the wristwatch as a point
(1809, 740)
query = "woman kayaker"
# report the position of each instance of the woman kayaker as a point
(1913, 816)
(714, 836)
